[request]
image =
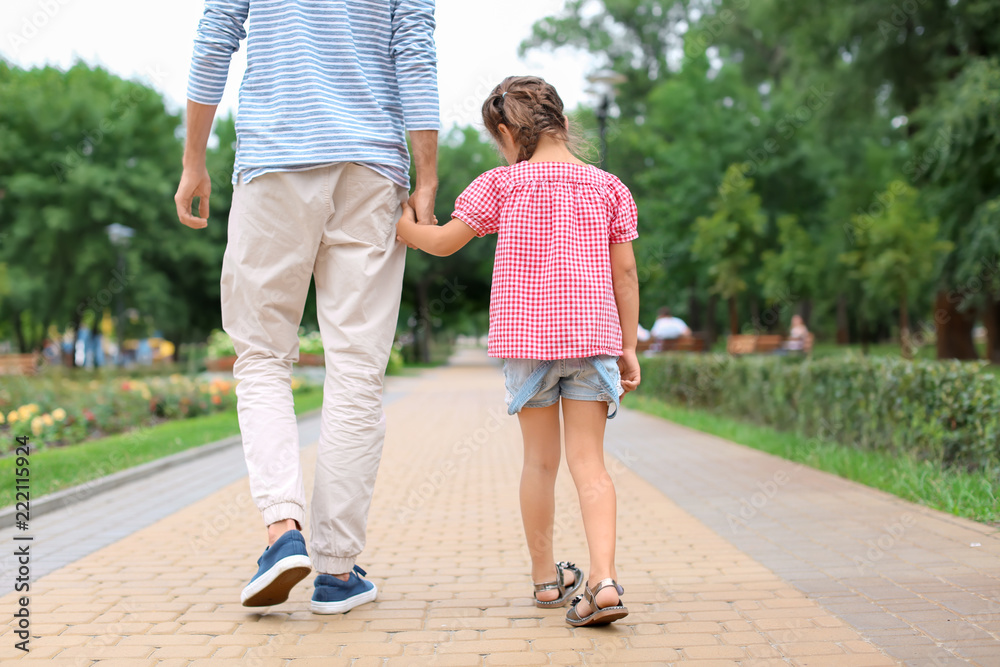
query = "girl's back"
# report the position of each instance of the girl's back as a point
(552, 294)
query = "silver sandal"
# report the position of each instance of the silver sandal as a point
(598, 615)
(564, 592)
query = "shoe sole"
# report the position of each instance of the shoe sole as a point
(340, 606)
(602, 617)
(274, 586)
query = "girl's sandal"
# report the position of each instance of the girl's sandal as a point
(598, 615)
(564, 592)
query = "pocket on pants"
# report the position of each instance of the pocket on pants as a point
(371, 207)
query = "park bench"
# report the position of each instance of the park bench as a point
(694, 343)
(18, 364)
(750, 344)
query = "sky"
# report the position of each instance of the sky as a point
(477, 46)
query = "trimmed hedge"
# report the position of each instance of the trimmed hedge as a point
(938, 410)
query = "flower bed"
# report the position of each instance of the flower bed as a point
(56, 411)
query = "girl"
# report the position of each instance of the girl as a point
(564, 314)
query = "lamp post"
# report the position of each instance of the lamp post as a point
(119, 236)
(604, 81)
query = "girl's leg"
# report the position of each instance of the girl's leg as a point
(585, 422)
(540, 431)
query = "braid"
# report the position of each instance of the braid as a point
(529, 135)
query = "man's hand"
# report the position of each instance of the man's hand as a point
(628, 364)
(408, 218)
(195, 182)
(422, 204)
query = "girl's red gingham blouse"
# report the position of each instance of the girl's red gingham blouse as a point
(552, 295)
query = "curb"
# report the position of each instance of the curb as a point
(64, 497)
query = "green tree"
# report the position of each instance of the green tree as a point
(791, 273)
(896, 255)
(729, 239)
(79, 150)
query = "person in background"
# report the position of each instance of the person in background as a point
(797, 335)
(668, 327)
(642, 334)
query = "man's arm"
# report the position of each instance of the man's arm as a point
(625, 278)
(415, 59)
(219, 33)
(424, 145)
(195, 181)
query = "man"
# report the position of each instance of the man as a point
(668, 327)
(320, 178)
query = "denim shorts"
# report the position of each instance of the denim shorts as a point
(537, 384)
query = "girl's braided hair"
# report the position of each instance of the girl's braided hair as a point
(529, 107)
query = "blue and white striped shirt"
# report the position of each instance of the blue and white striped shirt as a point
(327, 81)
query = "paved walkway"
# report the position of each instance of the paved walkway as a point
(728, 556)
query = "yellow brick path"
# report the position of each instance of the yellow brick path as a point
(445, 548)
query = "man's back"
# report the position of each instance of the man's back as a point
(327, 80)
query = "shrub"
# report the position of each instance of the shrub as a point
(945, 411)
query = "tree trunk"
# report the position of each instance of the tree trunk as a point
(843, 331)
(694, 309)
(904, 328)
(19, 333)
(734, 319)
(805, 311)
(991, 318)
(710, 328)
(953, 328)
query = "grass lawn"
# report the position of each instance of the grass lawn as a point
(63, 467)
(973, 495)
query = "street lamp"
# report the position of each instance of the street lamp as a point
(604, 80)
(119, 236)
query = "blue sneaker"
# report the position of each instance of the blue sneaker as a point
(282, 565)
(333, 596)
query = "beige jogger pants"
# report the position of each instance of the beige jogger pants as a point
(336, 224)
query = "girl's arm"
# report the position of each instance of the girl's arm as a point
(625, 278)
(440, 240)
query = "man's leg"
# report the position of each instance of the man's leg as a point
(275, 226)
(359, 272)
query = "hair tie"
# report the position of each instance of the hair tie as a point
(504, 94)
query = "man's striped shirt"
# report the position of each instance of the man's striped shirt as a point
(327, 81)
